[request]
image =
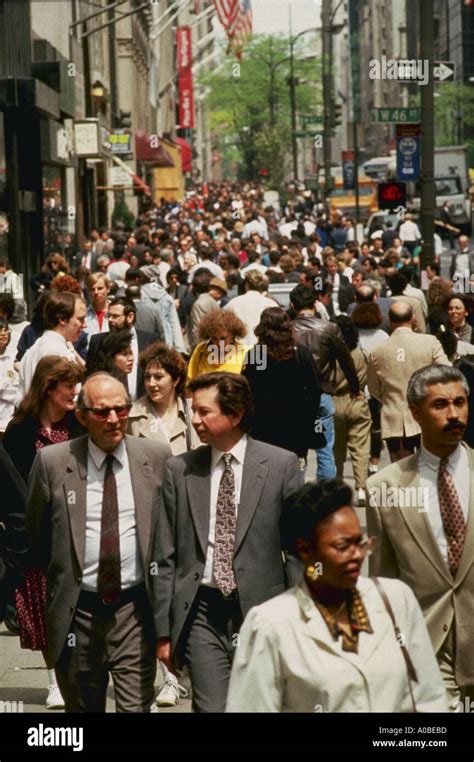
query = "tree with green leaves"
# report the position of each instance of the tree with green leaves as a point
(249, 103)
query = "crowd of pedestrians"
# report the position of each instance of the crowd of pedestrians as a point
(156, 417)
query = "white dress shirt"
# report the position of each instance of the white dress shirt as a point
(458, 467)
(8, 385)
(217, 470)
(50, 343)
(131, 565)
(132, 377)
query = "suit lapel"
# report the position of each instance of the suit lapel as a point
(468, 549)
(198, 486)
(254, 474)
(418, 522)
(75, 486)
(141, 475)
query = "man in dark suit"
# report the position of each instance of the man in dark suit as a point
(13, 543)
(218, 542)
(91, 516)
(123, 314)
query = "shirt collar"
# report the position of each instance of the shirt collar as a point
(238, 452)
(432, 461)
(55, 335)
(98, 456)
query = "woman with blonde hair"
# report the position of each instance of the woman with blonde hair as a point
(220, 348)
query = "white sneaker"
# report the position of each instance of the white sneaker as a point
(170, 693)
(54, 700)
(360, 496)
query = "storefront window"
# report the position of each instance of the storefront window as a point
(55, 219)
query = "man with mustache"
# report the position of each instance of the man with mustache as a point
(430, 546)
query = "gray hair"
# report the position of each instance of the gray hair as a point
(83, 400)
(432, 374)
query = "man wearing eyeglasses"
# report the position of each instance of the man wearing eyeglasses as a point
(91, 516)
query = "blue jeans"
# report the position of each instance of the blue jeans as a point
(326, 468)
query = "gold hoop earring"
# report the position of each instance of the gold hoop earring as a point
(312, 573)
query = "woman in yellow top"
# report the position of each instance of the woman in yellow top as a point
(220, 348)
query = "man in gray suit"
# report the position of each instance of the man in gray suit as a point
(218, 541)
(91, 516)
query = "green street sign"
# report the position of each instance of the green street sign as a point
(306, 121)
(395, 115)
(305, 134)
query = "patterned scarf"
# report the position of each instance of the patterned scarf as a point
(358, 620)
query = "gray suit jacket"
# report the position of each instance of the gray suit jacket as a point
(270, 474)
(56, 521)
(407, 549)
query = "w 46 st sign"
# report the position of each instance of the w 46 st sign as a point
(395, 115)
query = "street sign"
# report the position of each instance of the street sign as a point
(304, 134)
(348, 170)
(391, 195)
(395, 115)
(306, 121)
(408, 152)
(443, 71)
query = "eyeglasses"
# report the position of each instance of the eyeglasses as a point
(102, 413)
(365, 543)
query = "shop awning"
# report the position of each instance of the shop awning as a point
(186, 154)
(147, 150)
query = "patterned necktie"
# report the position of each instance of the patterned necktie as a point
(225, 530)
(108, 579)
(452, 515)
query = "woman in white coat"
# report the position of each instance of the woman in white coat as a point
(329, 644)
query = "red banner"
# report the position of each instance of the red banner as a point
(185, 78)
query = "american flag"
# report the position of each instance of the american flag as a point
(236, 18)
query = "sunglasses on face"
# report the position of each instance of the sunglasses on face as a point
(102, 413)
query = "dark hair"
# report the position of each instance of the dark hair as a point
(449, 341)
(438, 317)
(350, 332)
(58, 307)
(367, 315)
(435, 266)
(132, 274)
(397, 283)
(170, 360)
(276, 332)
(127, 304)
(233, 394)
(7, 304)
(201, 281)
(50, 371)
(308, 507)
(110, 345)
(302, 298)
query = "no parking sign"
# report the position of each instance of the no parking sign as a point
(408, 152)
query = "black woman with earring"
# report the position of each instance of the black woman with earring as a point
(336, 641)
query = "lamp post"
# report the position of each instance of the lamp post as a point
(293, 83)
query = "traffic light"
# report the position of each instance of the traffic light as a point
(336, 114)
(125, 119)
(391, 195)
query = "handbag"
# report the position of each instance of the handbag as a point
(411, 671)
